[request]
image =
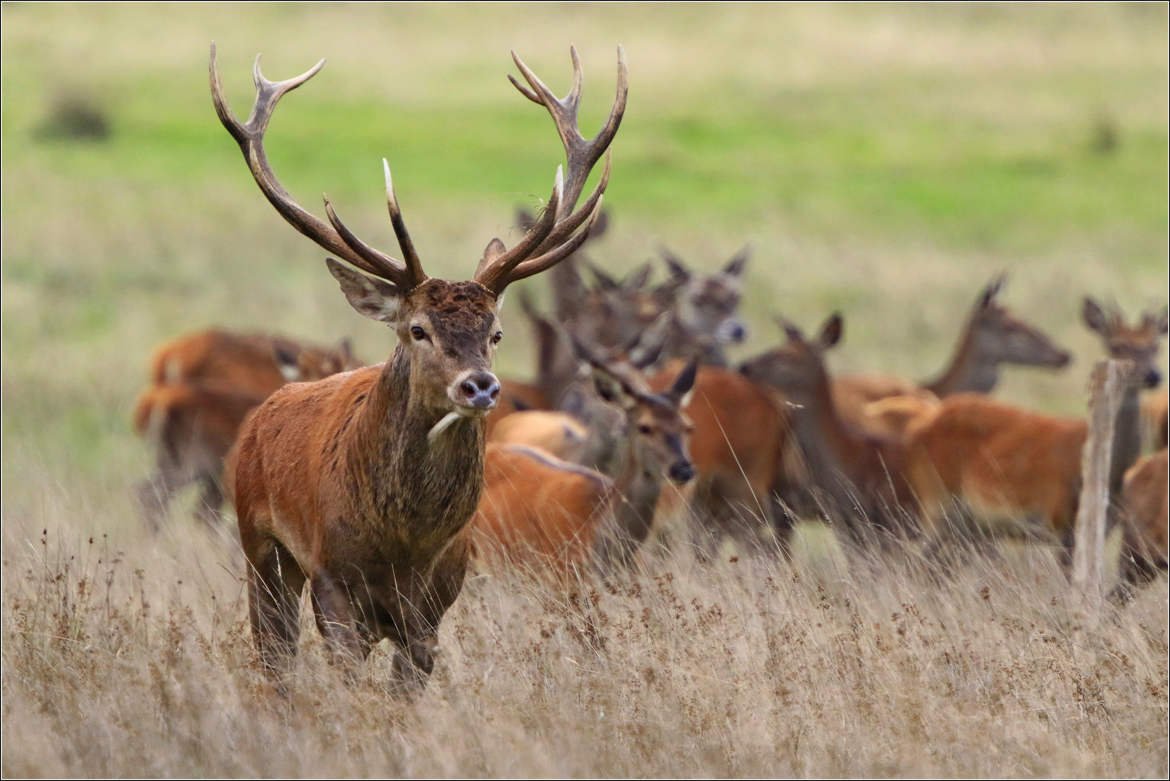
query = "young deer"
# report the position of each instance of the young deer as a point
(554, 516)
(992, 337)
(205, 385)
(360, 485)
(1004, 463)
(856, 479)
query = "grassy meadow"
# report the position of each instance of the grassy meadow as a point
(885, 161)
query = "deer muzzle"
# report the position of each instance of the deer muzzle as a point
(474, 393)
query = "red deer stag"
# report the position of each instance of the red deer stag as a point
(205, 385)
(543, 512)
(1021, 470)
(856, 478)
(361, 484)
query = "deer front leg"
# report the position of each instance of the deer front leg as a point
(419, 626)
(275, 582)
(335, 620)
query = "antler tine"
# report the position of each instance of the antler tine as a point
(413, 264)
(562, 227)
(494, 273)
(250, 137)
(556, 255)
(580, 154)
(372, 260)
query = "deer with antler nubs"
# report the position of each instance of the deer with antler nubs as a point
(361, 484)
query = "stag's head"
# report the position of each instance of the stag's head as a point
(796, 368)
(449, 329)
(1139, 343)
(1001, 337)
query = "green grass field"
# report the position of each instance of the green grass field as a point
(882, 160)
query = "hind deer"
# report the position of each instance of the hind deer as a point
(361, 485)
(704, 309)
(856, 478)
(543, 512)
(1144, 513)
(1004, 464)
(205, 385)
(991, 337)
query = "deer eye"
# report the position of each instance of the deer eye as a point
(418, 333)
(497, 336)
(644, 429)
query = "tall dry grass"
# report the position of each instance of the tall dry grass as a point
(121, 664)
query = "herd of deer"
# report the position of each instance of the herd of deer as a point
(377, 485)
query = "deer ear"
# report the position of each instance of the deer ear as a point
(992, 290)
(648, 347)
(1159, 321)
(638, 279)
(345, 348)
(286, 357)
(1094, 316)
(604, 280)
(684, 384)
(600, 225)
(736, 265)
(674, 264)
(371, 297)
(831, 331)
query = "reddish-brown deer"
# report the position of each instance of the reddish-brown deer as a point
(1144, 513)
(1017, 470)
(992, 337)
(205, 385)
(856, 479)
(362, 484)
(543, 512)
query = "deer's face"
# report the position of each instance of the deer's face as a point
(1138, 343)
(1007, 339)
(796, 368)
(450, 330)
(663, 435)
(615, 314)
(709, 306)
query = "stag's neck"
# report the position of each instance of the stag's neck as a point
(969, 370)
(410, 492)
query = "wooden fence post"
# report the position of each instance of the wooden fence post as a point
(1106, 387)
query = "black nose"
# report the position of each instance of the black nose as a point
(738, 333)
(1153, 378)
(480, 389)
(681, 472)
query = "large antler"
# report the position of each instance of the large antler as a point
(555, 235)
(333, 236)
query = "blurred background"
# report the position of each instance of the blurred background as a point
(885, 161)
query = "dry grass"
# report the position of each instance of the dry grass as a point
(140, 663)
(883, 160)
